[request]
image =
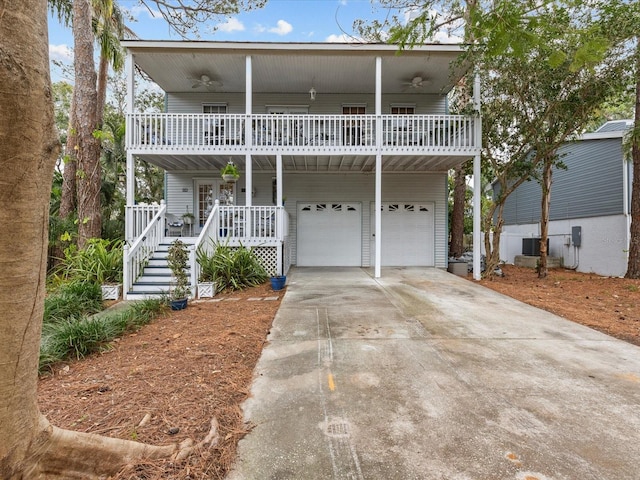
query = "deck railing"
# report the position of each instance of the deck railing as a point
(227, 132)
(136, 255)
(139, 216)
(235, 226)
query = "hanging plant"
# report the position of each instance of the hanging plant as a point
(230, 172)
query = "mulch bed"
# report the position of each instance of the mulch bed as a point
(166, 382)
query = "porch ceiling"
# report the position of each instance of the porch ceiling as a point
(310, 163)
(277, 68)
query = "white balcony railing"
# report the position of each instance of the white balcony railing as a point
(227, 132)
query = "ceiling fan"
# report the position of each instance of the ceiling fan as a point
(204, 81)
(416, 83)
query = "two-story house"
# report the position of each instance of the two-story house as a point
(343, 152)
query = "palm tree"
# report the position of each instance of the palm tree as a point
(107, 26)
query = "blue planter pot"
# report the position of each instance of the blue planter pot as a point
(277, 283)
(179, 304)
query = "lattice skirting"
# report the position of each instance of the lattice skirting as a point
(268, 256)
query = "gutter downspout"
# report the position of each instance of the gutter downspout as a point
(626, 176)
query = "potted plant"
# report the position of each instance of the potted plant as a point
(206, 279)
(177, 259)
(230, 172)
(278, 282)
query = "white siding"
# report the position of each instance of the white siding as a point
(329, 104)
(298, 187)
(604, 243)
(413, 187)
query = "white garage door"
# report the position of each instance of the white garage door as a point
(407, 234)
(330, 234)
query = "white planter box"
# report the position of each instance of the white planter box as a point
(111, 292)
(206, 290)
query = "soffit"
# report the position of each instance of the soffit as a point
(310, 163)
(296, 70)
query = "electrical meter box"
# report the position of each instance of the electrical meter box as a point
(576, 236)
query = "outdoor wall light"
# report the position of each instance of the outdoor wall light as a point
(312, 94)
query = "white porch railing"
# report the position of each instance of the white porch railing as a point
(241, 226)
(138, 217)
(136, 256)
(156, 132)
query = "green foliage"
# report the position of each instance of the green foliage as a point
(100, 262)
(78, 337)
(177, 259)
(230, 169)
(72, 300)
(231, 268)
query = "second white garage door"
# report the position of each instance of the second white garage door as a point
(407, 234)
(329, 234)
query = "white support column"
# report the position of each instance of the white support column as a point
(477, 183)
(131, 84)
(378, 86)
(131, 90)
(247, 131)
(378, 186)
(248, 101)
(279, 180)
(131, 179)
(378, 214)
(248, 183)
(130, 197)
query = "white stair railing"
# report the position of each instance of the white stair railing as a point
(137, 255)
(206, 240)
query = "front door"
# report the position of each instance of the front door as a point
(207, 190)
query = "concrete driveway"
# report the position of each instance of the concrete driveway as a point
(424, 375)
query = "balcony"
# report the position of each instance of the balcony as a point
(300, 134)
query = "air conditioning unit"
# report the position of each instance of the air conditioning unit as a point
(531, 247)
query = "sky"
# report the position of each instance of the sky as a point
(279, 21)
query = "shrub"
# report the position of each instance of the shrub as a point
(231, 268)
(78, 337)
(177, 259)
(100, 262)
(72, 300)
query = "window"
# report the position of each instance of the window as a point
(403, 109)
(214, 108)
(354, 109)
(353, 129)
(214, 127)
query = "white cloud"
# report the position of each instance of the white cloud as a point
(231, 25)
(342, 38)
(60, 52)
(283, 27)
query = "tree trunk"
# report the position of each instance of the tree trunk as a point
(86, 103)
(101, 92)
(544, 215)
(633, 265)
(492, 239)
(28, 154)
(457, 216)
(68, 199)
(31, 448)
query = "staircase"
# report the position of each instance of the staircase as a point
(155, 281)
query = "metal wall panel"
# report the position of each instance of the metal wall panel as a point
(591, 185)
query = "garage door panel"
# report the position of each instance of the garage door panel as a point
(407, 237)
(330, 234)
